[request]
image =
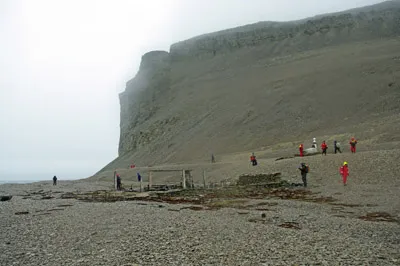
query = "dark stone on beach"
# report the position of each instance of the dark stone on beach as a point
(5, 198)
(20, 213)
(47, 197)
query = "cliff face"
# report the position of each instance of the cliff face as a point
(139, 101)
(259, 84)
(289, 37)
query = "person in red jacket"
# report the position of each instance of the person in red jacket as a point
(344, 172)
(301, 150)
(253, 159)
(353, 143)
(324, 147)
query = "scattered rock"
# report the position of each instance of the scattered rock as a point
(379, 217)
(5, 198)
(68, 195)
(21, 213)
(47, 197)
(291, 225)
(284, 158)
(196, 208)
(55, 209)
(65, 205)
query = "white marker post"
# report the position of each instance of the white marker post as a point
(204, 178)
(150, 180)
(183, 179)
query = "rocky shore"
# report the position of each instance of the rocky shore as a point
(289, 226)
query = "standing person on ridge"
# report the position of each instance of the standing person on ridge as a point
(304, 171)
(253, 159)
(54, 181)
(324, 147)
(344, 172)
(336, 146)
(353, 143)
(301, 150)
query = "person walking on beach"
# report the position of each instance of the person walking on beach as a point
(253, 159)
(301, 150)
(336, 146)
(344, 172)
(353, 143)
(118, 182)
(54, 181)
(304, 171)
(324, 147)
(212, 158)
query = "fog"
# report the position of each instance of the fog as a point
(63, 64)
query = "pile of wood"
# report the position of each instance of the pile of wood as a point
(252, 179)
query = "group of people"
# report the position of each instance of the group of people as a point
(119, 182)
(324, 146)
(304, 168)
(343, 170)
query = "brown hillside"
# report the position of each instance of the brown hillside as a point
(255, 86)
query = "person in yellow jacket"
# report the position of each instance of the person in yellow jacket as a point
(344, 172)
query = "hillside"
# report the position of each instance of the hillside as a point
(252, 87)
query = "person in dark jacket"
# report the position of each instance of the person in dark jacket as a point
(54, 181)
(336, 147)
(304, 171)
(118, 182)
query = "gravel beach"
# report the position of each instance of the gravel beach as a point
(39, 231)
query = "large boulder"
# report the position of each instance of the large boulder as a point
(5, 198)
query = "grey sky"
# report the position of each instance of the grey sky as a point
(63, 63)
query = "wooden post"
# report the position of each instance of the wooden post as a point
(183, 179)
(204, 178)
(150, 179)
(141, 184)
